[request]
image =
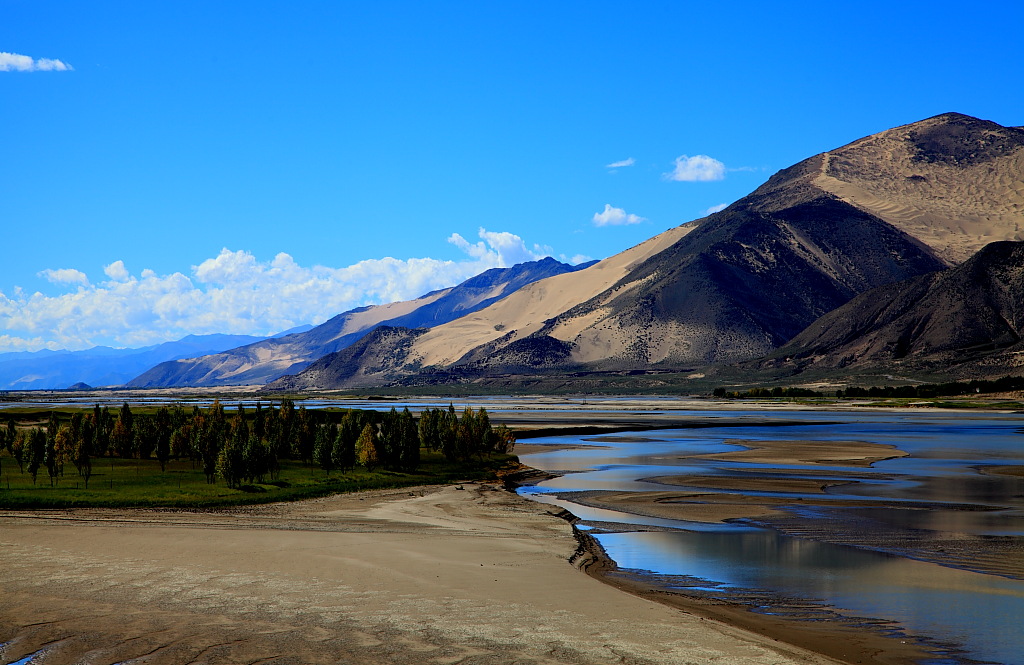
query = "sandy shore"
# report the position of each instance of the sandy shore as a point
(431, 575)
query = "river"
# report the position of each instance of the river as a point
(929, 546)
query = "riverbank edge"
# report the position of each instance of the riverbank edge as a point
(841, 643)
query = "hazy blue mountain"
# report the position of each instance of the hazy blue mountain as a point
(101, 365)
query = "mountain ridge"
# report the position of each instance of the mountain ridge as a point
(744, 281)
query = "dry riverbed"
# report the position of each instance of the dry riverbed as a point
(431, 575)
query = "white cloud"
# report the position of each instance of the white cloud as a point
(64, 276)
(117, 272)
(615, 217)
(696, 168)
(501, 248)
(233, 292)
(716, 208)
(13, 62)
(621, 164)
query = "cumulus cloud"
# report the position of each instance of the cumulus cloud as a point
(233, 292)
(615, 217)
(621, 164)
(13, 62)
(501, 248)
(64, 276)
(117, 272)
(696, 169)
(716, 208)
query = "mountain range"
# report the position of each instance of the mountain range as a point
(101, 365)
(896, 252)
(741, 283)
(266, 360)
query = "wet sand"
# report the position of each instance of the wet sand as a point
(430, 575)
(816, 453)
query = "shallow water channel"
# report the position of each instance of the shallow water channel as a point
(926, 547)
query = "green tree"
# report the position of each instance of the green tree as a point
(162, 420)
(389, 440)
(35, 451)
(7, 437)
(230, 463)
(323, 448)
(448, 433)
(409, 459)
(259, 422)
(209, 437)
(428, 429)
(345, 442)
(304, 437)
(51, 449)
(122, 437)
(79, 452)
(11, 433)
(257, 459)
(286, 420)
(145, 437)
(18, 448)
(104, 430)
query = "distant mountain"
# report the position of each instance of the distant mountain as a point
(967, 321)
(101, 365)
(269, 359)
(744, 281)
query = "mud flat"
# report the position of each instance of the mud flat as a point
(429, 575)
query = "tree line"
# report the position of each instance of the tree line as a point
(950, 389)
(247, 447)
(777, 391)
(922, 390)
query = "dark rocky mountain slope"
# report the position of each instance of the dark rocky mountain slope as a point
(967, 321)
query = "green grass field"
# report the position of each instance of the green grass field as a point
(141, 483)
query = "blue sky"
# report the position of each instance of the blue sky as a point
(195, 167)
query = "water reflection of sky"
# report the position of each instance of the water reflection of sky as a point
(945, 450)
(982, 612)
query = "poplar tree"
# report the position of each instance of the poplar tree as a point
(50, 459)
(410, 442)
(35, 451)
(345, 442)
(18, 447)
(79, 453)
(366, 447)
(304, 436)
(323, 448)
(163, 436)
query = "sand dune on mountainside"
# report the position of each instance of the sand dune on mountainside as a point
(954, 207)
(525, 311)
